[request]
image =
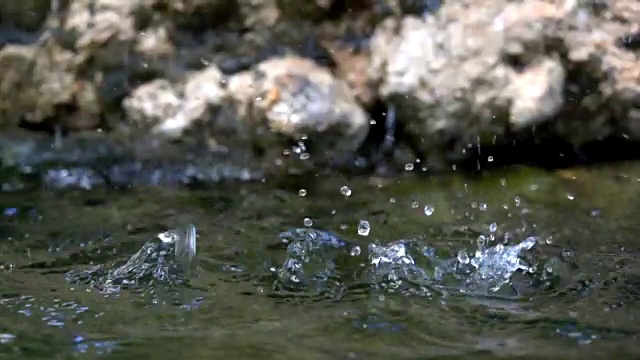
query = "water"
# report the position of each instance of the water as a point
(514, 263)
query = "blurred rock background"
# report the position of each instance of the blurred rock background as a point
(322, 82)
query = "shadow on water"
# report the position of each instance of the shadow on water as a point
(333, 269)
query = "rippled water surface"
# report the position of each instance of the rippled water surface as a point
(516, 263)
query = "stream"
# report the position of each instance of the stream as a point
(515, 262)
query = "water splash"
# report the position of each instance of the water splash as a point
(310, 262)
(165, 261)
(406, 264)
(395, 263)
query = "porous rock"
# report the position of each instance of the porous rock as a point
(475, 72)
(296, 98)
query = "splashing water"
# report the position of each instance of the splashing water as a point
(311, 263)
(166, 260)
(495, 265)
(394, 263)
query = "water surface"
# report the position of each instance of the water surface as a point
(574, 298)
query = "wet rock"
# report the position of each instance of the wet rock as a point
(295, 98)
(89, 160)
(459, 81)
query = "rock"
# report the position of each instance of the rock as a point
(153, 53)
(259, 13)
(537, 94)
(200, 14)
(203, 102)
(151, 103)
(460, 81)
(104, 28)
(34, 82)
(27, 15)
(352, 66)
(295, 98)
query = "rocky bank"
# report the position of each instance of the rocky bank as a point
(279, 83)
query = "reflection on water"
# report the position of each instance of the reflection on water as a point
(520, 263)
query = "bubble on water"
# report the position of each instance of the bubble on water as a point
(364, 228)
(568, 253)
(493, 227)
(355, 251)
(570, 196)
(308, 222)
(415, 205)
(481, 241)
(408, 167)
(428, 210)
(483, 207)
(392, 200)
(344, 227)
(428, 251)
(463, 257)
(345, 191)
(305, 156)
(302, 192)
(6, 338)
(490, 159)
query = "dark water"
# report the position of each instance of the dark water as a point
(253, 292)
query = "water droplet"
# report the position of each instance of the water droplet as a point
(481, 241)
(355, 251)
(308, 222)
(364, 228)
(463, 257)
(392, 200)
(345, 191)
(493, 227)
(414, 205)
(302, 192)
(408, 167)
(428, 210)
